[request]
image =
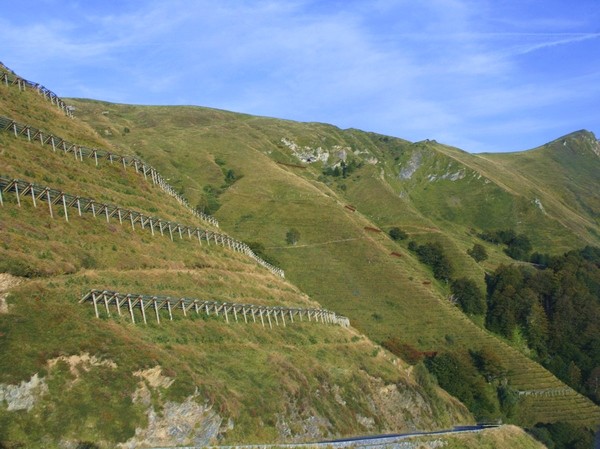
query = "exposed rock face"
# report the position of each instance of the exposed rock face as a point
(306, 154)
(178, 424)
(25, 395)
(185, 423)
(411, 166)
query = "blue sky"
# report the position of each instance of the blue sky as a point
(481, 75)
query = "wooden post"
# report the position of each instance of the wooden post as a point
(93, 210)
(244, 313)
(235, 313)
(49, 202)
(95, 304)
(170, 231)
(226, 317)
(17, 192)
(78, 206)
(282, 318)
(156, 311)
(131, 310)
(183, 307)
(119, 215)
(118, 305)
(106, 304)
(269, 318)
(143, 310)
(275, 315)
(96, 157)
(131, 219)
(106, 213)
(169, 308)
(261, 318)
(151, 226)
(33, 195)
(53, 145)
(65, 206)
(1, 200)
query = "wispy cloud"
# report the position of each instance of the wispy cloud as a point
(437, 68)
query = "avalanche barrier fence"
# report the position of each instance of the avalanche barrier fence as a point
(80, 152)
(8, 78)
(132, 302)
(24, 189)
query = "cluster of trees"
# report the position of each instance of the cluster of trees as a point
(562, 435)
(344, 169)
(433, 254)
(465, 291)
(556, 308)
(518, 246)
(478, 379)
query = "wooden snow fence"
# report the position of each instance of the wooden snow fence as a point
(132, 304)
(80, 152)
(52, 197)
(10, 79)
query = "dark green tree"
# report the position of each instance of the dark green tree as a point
(292, 236)
(478, 252)
(469, 296)
(396, 233)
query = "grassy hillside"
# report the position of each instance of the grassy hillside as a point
(431, 191)
(68, 377)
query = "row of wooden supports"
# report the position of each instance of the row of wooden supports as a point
(545, 392)
(249, 312)
(80, 152)
(24, 189)
(13, 80)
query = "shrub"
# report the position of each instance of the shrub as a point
(397, 234)
(292, 236)
(478, 252)
(433, 254)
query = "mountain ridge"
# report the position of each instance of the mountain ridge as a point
(260, 190)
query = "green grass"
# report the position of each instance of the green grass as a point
(337, 262)
(246, 373)
(226, 363)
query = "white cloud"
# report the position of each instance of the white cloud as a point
(414, 69)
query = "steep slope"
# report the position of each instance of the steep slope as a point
(68, 377)
(341, 258)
